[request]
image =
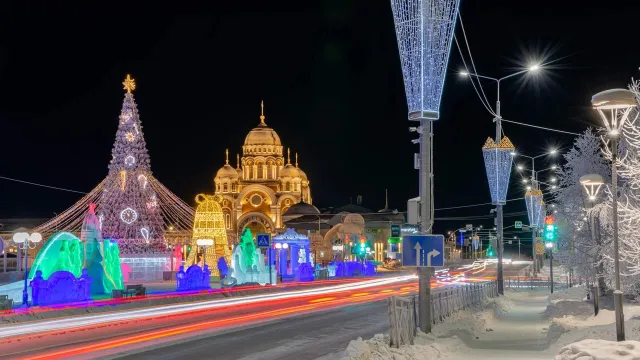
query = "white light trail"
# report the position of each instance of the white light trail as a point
(66, 323)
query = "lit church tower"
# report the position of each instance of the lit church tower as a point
(262, 186)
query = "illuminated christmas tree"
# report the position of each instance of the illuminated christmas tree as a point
(129, 208)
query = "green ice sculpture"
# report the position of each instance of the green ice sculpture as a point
(62, 251)
(248, 247)
(65, 252)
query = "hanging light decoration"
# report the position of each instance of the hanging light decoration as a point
(535, 203)
(498, 159)
(424, 29)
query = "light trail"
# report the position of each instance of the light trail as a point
(116, 345)
(56, 325)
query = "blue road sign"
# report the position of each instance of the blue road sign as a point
(518, 225)
(1, 245)
(423, 250)
(264, 240)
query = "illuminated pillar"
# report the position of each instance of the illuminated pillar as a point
(283, 261)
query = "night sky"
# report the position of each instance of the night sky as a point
(329, 74)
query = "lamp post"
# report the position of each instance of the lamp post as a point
(534, 200)
(592, 184)
(496, 171)
(204, 243)
(614, 107)
(549, 246)
(22, 239)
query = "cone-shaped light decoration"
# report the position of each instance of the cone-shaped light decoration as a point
(533, 199)
(424, 29)
(542, 213)
(497, 162)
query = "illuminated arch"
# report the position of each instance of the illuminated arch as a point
(260, 188)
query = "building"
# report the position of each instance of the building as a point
(263, 185)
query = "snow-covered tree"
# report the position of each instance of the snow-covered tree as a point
(573, 208)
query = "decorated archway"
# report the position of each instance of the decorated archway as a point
(255, 221)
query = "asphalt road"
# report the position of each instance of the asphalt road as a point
(323, 335)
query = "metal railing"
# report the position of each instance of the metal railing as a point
(403, 310)
(559, 282)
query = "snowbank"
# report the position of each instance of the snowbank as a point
(426, 347)
(442, 342)
(600, 349)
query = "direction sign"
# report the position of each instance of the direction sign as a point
(539, 249)
(264, 240)
(1, 245)
(395, 231)
(423, 250)
(476, 241)
(518, 225)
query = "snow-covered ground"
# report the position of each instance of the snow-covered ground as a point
(521, 325)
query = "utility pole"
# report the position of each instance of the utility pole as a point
(499, 227)
(426, 221)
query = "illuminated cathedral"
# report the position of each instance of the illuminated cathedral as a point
(263, 186)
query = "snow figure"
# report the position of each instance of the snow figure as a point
(102, 257)
(248, 263)
(248, 247)
(129, 206)
(302, 256)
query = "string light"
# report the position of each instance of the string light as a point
(497, 162)
(424, 35)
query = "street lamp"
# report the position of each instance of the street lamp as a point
(204, 243)
(498, 166)
(22, 240)
(614, 107)
(591, 184)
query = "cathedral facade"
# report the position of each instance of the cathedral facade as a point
(262, 186)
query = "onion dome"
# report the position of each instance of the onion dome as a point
(289, 170)
(262, 140)
(227, 171)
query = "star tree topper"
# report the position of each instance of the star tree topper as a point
(129, 84)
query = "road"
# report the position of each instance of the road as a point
(322, 335)
(306, 324)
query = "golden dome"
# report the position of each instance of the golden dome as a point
(289, 171)
(262, 140)
(227, 172)
(262, 135)
(303, 176)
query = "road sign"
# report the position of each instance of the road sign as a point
(469, 227)
(476, 241)
(539, 249)
(423, 250)
(395, 231)
(264, 240)
(518, 225)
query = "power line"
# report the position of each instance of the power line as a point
(42, 185)
(541, 127)
(473, 205)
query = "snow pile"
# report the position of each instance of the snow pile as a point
(442, 342)
(426, 347)
(600, 349)
(576, 293)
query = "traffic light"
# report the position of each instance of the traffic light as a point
(550, 229)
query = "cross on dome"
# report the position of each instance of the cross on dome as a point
(262, 117)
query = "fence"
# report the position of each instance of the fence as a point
(403, 311)
(559, 282)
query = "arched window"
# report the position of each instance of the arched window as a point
(225, 187)
(261, 174)
(250, 172)
(217, 187)
(227, 220)
(287, 186)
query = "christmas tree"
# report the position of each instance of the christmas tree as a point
(129, 207)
